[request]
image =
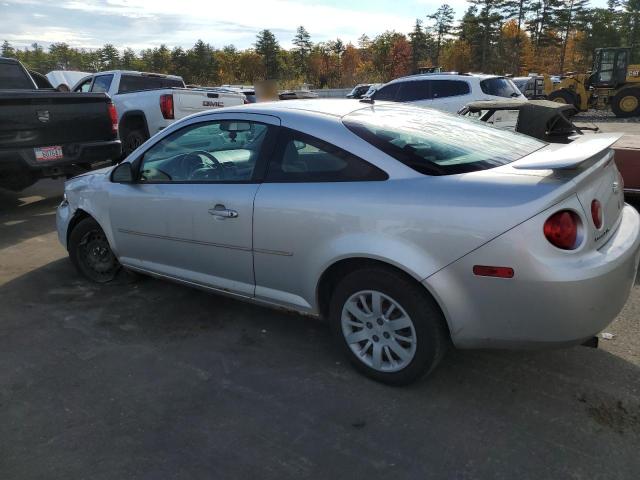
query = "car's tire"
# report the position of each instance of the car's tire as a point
(90, 252)
(626, 103)
(564, 96)
(369, 333)
(131, 140)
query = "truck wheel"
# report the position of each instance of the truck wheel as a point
(626, 103)
(16, 178)
(564, 96)
(90, 252)
(132, 140)
(387, 325)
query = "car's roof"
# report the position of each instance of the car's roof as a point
(335, 107)
(443, 76)
(141, 74)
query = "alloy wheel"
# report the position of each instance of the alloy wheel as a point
(378, 331)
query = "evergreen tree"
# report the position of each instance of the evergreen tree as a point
(443, 26)
(302, 42)
(419, 45)
(267, 46)
(631, 22)
(489, 21)
(109, 57)
(517, 10)
(202, 65)
(544, 23)
(7, 50)
(567, 14)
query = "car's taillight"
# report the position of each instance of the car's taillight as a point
(561, 229)
(166, 106)
(113, 115)
(596, 213)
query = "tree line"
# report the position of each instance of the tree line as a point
(493, 36)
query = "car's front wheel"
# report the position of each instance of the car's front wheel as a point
(388, 325)
(91, 253)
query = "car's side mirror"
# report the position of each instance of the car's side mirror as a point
(123, 173)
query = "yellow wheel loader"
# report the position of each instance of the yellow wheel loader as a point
(612, 83)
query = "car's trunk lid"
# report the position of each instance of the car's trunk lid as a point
(588, 163)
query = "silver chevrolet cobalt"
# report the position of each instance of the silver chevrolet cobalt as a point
(405, 227)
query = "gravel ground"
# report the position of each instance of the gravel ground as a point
(604, 116)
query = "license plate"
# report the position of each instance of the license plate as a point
(47, 154)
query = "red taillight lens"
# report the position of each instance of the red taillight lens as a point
(561, 229)
(596, 213)
(166, 106)
(113, 115)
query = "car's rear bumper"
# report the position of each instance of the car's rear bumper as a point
(548, 301)
(74, 154)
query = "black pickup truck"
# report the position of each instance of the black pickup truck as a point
(46, 133)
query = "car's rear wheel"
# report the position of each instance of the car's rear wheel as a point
(387, 325)
(91, 253)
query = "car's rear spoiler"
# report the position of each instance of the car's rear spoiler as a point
(569, 156)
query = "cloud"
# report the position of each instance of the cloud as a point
(144, 23)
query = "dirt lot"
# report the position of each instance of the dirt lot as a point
(152, 380)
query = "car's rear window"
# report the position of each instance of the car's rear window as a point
(499, 87)
(135, 83)
(437, 143)
(12, 76)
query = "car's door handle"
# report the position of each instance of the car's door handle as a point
(222, 211)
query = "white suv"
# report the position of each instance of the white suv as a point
(448, 92)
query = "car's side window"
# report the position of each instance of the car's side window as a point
(303, 158)
(414, 90)
(217, 151)
(388, 92)
(449, 88)
(84, 86)
(102, 83)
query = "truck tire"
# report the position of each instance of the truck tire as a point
(16, 178)
(626, 103)
(564, 96)
(131, 140)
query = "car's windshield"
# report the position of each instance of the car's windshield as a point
(437, 143)
(521, 83)
(223, 150)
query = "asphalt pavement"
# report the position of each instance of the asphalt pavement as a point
(150, 380)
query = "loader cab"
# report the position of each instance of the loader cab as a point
(609, 67)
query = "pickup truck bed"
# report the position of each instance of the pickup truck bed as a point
(149, 102)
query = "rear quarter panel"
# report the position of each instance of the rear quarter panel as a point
(419, 225)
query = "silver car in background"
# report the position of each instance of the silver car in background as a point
(406, 227)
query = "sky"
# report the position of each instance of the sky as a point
(141, 24)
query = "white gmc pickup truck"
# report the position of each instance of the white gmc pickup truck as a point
(148, 102)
